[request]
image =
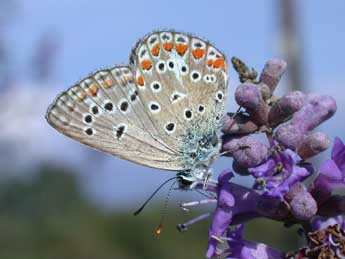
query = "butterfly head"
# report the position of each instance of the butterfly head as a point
(199, 175)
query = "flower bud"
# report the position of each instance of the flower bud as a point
(238, 124)
(248, 96)
(313, 144)
(295, 190)
(246, 151)
(270, 76)
(316, 110)
(303, 206)
(240, 169)
(285, 107)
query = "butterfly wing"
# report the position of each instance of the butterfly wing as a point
(142, 113)
(185, 80)
(104, 111)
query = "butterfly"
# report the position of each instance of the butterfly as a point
(164, 110)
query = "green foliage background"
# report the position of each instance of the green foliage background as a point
(47, 218)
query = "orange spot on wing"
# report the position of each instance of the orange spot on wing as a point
(218, 62)
(140, 80)
(155, 49)
(210, 62)
(93, 90)
(168, 46)
(198, 52)
(146, 64)
(108, 82)
(181, 48)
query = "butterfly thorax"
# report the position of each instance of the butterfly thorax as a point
(199, 149)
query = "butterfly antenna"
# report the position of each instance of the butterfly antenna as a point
(164, 211)
(152, 195)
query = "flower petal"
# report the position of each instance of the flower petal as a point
(338, 154)
(220, 223)
(240, 248)
(298, 174)
(330, 177)
(263, 169)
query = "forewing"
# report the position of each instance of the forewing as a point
(105, 111)
(183, 75)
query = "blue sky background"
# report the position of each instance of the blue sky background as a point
(98, 33)
(91, 34)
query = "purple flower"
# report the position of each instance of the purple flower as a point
(240, 248)
(279, 192)
(235, 204)
(223, 214)
(281, 171)
(332, 172)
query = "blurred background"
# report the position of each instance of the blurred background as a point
(59, 199)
